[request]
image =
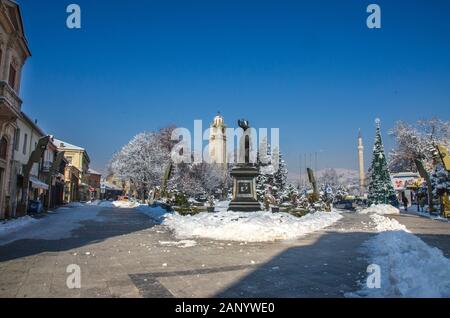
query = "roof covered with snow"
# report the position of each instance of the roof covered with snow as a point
(66, 145)
(92, 171)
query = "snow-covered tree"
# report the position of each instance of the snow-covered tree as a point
(290, 194)
(271, 178)
(143, 161)
(380, 188)
(440, 181)
(264, 180)
(197, 178)
(417, 142)
(340, 192)
(280, 175)
(329, 176)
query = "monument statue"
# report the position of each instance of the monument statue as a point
(244, 178)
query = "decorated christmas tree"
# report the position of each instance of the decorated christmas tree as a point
(380, 188)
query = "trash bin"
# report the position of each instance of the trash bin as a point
(35, 206)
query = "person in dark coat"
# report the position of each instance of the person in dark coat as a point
(405, 201)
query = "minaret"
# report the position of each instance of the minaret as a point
(218, 141)
(361, 163)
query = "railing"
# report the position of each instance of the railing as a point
(8, 95)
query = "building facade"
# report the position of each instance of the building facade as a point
(14, 52)
(52, 167)
(94, 182)
(26, 138)
(78, 158)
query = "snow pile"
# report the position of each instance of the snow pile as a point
(409, 267)
(95, 202)
(125, 204)
(75, 205)
(119, 204)
(156, 213)
(381, 209)
(248, 227)
(16, 224)
(386, 224)
(106, 204)
(181, 244)
(222, 206)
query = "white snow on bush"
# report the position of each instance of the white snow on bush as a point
(380, 209)
(409, 267)
(16, 224)
(248, 227)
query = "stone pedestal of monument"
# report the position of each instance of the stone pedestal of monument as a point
(244, 189)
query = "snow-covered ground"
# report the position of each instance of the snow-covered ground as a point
(57, 225)
(409, 267)
(7, 227)
(156, 213)
(222, 206)
(234, 226)
(380, 209)
(248, 226)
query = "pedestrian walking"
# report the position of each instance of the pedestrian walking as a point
(405, 201)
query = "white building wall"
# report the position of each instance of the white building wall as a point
(33, 137)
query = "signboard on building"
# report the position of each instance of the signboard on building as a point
(405, 180)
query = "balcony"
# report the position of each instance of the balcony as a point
(47, 166)
(10, 103)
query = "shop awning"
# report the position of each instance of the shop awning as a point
(38, 184)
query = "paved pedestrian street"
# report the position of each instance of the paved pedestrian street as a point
(125, 253)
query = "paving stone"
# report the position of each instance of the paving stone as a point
(126, 260)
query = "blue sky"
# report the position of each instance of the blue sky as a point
(311, 68)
